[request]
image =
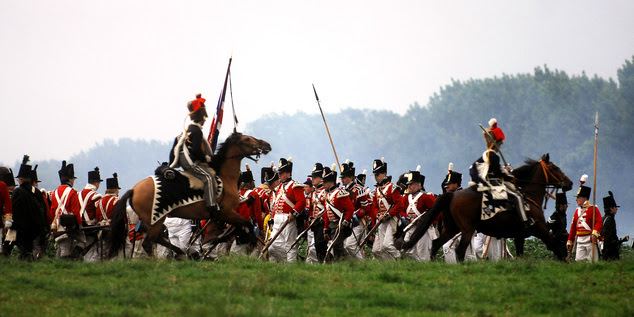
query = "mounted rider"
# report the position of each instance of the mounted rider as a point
(495, 181)
(193, 153)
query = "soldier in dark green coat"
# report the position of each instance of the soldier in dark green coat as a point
(611, 242)
(28, 211)
(557, 221)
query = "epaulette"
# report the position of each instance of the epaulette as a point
(343, 193)
(298, 185)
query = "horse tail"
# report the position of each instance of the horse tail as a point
(118, 225)
(442, 204)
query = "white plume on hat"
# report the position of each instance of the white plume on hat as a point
(583, 179)
(450, 168)
(418, 168)
(492, 122)
(364, 172)
(246, 165)
(333, 167)
(290, 159)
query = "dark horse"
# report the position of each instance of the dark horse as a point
(461, 211)
(226, 163)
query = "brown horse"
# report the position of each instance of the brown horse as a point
(462, 209)
(226, 162)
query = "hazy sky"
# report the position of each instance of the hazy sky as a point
(73, 73)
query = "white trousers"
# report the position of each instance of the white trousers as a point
(383, 247)
(277, 250)
(351, 244)
(449, 249)
(312, 252)
(421, 251)
(584, 250)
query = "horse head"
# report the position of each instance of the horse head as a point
(553, 174)
(239, 146)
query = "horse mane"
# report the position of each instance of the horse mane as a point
(221, 155)
(523, 172)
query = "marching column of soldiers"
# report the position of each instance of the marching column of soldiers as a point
(336, 216)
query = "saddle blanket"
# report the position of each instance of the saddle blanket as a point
(493, 202)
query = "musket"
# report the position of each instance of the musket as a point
(306, 230)
(497, 147)
(327, 130)
(332, 244)
(59, 233)
(198, 233)
(268, 244)
(413, 222)
(594, 192)
(376, 226)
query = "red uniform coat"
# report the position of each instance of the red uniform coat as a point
(5, 200)
(88, 198)
(386, 196)
(71, 203)
(315, 202)
(582, 222)
(265, 199)
(105, 206)
(254, 211)
(289, 197)
(361, 200)
(337, 200)
(417, 203)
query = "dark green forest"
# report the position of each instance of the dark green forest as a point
(546, 111)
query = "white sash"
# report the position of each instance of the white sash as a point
(412, 203)
(331, 206)
(61, 203)
(83, 202)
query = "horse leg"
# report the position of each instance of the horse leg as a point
(464, 244)
(437, 243)
(541, 232)
(232, 217)
(519, 247)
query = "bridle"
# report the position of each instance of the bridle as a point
(558, 182)
(249, 152)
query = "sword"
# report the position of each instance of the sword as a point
(497, 147)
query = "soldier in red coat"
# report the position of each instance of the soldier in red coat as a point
(317, 244)
(583, 231)
(6, 211)
(387, 204)
(339, 212)
(362, 202)
(418, 201)
(288, 204)
(250, 208)
(65, 209)
(105, 206)
(88, 200)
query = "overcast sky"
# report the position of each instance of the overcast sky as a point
(73, 73)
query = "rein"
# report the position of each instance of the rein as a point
(254, 150)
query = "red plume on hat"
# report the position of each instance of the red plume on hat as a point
(198, 102)
(495, 130)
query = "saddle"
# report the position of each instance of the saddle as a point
(174, 189)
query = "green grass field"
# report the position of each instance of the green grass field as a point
(535, 285)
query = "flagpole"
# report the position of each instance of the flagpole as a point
(212, 138)
(594, 181)
(327, 130)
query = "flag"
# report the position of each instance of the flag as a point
(216, 123)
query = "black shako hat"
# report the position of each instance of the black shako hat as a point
(379, 167)
(318, 170)
(609, 202)
(561, 199)
(348, 169)
(113, 183)
(25, 169)
(93, 176)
